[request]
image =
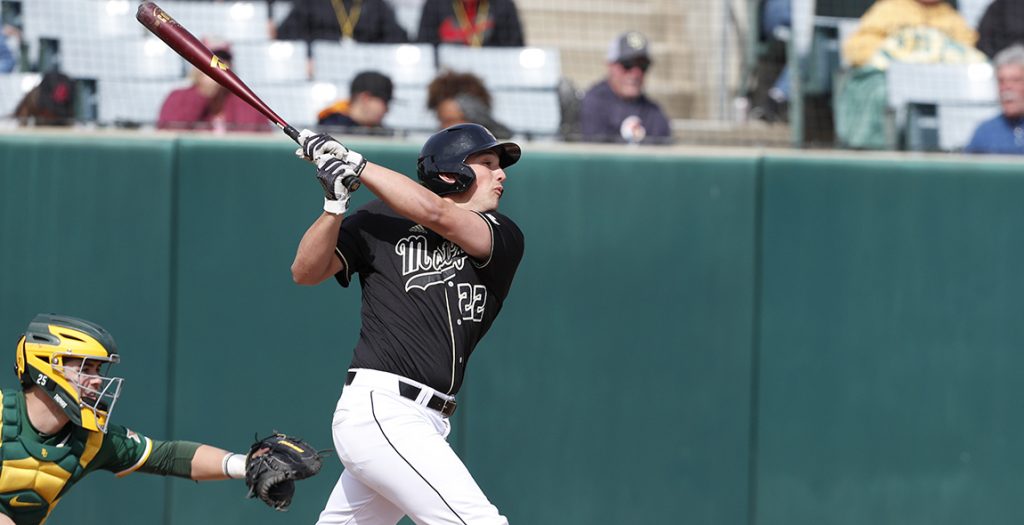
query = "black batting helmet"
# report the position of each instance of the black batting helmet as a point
(445, 152)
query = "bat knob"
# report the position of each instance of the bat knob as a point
(351, 183)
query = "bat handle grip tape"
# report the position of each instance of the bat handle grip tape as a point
(291, 132)
(352, 183)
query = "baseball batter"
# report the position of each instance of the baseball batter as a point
(56, 428)
(435, 262)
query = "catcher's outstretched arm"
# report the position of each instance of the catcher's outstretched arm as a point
(212, 463)
(185, 459)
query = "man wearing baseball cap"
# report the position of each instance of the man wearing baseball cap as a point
(616, 109)
(363, 112)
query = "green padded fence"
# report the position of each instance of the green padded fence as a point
(730, 338)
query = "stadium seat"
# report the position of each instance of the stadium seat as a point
(132, 102)
(406, 64)
(59, 19)
(234, 22)
(299, 102)
(120, 58)
(957, 122)
(534, 113)
(933, 83)
(279, 11)
(505, 67)
(408, 110)
(408, 12)
(13, 88)
(914, 92)
(270, 62)
(972, 10)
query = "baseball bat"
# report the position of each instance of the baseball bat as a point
(190, 48)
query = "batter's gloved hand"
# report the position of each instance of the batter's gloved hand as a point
(339, 178)
(312, 145)
(274, 463)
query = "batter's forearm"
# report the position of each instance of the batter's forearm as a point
(402, 194)
(315, 258)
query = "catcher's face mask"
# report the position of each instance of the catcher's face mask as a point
(97, 393)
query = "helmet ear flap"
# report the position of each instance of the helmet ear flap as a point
(19, 361)
(431, 174)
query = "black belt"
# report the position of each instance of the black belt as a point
(412, 393)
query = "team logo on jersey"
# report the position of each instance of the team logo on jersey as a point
(425, 267)
(132, 436)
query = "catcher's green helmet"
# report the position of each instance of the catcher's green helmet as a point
(67, 357)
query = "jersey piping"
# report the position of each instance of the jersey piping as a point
(451, 332)
(373, 411)
(347, 270)
(490, 254)
(142, 460)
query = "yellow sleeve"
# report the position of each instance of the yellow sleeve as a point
(874, 27)
(958, 29)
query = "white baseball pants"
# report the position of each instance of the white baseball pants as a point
(398, 462)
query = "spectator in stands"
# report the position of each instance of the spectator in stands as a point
(1005, 133)
(371, 21)
(462, 97)
(914, 31)
(912, 23)
(51, 103)
(1001, 26)
(206, 105)
(776, 18)
(470, 22)
(616, 109)
(363, 112)
(8, 60)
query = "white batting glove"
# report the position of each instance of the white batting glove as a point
(338, 178)
(312, 145)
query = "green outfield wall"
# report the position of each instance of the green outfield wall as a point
(713, 338)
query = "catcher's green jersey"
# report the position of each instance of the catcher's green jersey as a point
(37, 470)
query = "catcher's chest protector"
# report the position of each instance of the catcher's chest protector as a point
(34, 476)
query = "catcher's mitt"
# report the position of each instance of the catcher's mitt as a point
(274, 463)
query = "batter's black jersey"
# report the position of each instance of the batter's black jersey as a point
(426, 303)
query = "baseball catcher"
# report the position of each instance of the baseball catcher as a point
(56, 429)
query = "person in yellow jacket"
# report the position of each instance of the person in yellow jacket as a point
(888, 18)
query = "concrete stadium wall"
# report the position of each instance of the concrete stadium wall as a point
(707, 338)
